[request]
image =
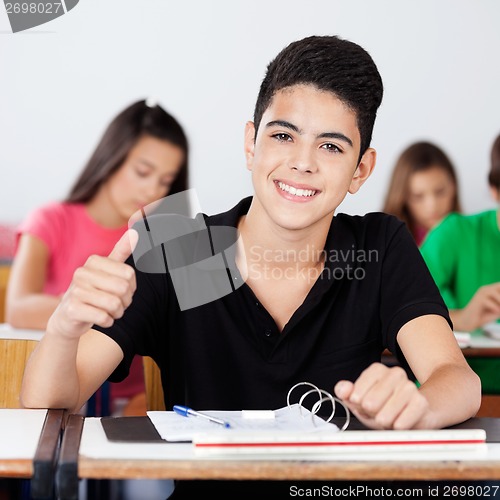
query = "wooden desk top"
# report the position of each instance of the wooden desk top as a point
(16, 467)
(41, 466)
(481, 352)
(20, 430)
(482, 346)
(288, 470)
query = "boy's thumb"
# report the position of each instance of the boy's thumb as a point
(125, 246)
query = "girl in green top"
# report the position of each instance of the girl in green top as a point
(463, 256)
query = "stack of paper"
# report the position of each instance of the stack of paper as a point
(492, 330)
(463, 339)
(297, 431)
(241, 442)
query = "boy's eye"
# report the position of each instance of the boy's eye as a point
(282, 137)
(331, 147)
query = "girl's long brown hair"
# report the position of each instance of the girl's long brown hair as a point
(494, 175)
(137, 120)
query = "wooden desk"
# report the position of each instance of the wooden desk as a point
(21, 461)
(177, 461)
(482, 346)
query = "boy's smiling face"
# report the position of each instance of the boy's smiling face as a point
(304, 158)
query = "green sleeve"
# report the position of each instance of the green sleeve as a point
(438, 250)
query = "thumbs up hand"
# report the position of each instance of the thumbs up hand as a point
(99, 293)
(124, 246)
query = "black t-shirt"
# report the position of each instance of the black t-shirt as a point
(229, 354)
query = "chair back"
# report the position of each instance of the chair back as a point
(14, 354)
(154, 389)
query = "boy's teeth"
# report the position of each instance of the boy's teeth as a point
(294, 191)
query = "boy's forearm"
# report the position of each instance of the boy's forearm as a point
(51, 376)
(454, 395)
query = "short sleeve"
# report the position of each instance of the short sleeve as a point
(407, 287)
(440, 257)
(45, 223)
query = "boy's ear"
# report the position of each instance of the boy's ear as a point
(363, 170)
(249, 143)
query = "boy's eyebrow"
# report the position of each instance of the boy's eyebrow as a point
(285, 124)
(336, 135)
(325, 135)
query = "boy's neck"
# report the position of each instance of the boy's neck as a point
(266, 242)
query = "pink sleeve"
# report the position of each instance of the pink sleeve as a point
(45, 223)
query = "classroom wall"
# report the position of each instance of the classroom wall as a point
(61, 83)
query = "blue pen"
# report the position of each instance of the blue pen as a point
(187, 412)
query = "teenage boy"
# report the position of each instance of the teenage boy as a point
(323, 294)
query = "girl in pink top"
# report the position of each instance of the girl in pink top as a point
(142, 157)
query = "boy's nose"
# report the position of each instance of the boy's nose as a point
(303, 161)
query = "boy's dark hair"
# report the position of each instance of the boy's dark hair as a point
(332, 64)
(494, 175)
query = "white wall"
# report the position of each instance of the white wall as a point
(62, 82)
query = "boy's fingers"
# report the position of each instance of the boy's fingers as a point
(125, 246)
(343, 389)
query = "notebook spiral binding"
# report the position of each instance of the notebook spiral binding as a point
(323, 396)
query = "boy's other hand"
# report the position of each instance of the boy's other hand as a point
(99, 293)
(383, 398)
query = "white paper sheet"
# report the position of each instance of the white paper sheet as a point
(9, 332)
(492, 330)
(174, 427)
